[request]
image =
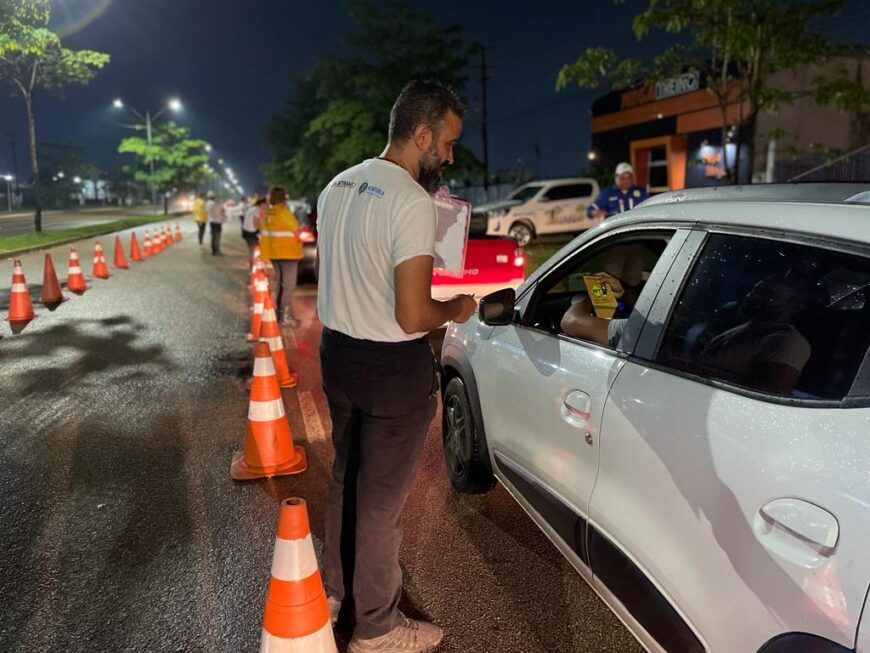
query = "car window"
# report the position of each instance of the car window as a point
(525, 193)
(567, 191)
(771, 316)
(562, 304)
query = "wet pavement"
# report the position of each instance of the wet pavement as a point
(121, 530)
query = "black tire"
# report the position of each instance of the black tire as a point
(522, 232)
(463, 453)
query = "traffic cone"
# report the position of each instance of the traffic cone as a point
(101, 268)
(135, 254)
(156, 246)
(51, 294)
(120, 260)
(148, 246)
(270, 333)
(269, 449)
(75, 280)
(261, 291)
(169, 239)
(20, 306)
(177, 231)
(296, 615)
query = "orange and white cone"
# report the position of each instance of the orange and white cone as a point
(296, 616)
(269, 449)
(135, 252)
(270, 333)
(149, 244)
(177, 231)
(101, 268)
(261, 291)
(157, 242)
(75, 280)
(20, 306)
(169, 239)
(120, 259)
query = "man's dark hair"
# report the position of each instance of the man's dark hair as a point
(422, 102)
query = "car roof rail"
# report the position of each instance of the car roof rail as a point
(820, 193)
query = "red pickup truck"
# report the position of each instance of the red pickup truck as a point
(491, 263)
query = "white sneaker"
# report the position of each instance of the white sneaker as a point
(334, 609)
(410, 636)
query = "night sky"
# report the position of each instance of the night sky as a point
(233, 65)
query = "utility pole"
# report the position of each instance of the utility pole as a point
(151, 156)
(484, 78)
(14, 162)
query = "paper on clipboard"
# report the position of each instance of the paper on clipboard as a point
(453, 219)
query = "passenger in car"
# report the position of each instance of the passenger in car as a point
(766, 352)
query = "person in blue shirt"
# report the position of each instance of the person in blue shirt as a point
(623, 196)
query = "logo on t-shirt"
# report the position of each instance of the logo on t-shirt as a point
(365, 187)
(345, 183)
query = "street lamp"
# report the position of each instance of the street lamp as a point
(174, 104)
(77, 180)
(9, 179)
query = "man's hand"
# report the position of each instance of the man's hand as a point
(599, 214)
(467, 307)
(614, 283)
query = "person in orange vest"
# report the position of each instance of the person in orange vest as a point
(280, 244)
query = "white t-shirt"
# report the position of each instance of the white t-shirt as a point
(215, 212)
(370, 218)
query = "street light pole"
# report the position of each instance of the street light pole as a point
(8, 179)
(151, 156)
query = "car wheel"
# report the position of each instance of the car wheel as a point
(522, 233)
(463, 455)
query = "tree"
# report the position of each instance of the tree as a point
(32, 58)
(735, 45)
(339, 113)
(180, 162)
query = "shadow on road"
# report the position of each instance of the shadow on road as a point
(101, 345)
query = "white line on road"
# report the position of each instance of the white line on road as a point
(311, 418)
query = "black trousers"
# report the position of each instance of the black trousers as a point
(201, 228)
(382, 398)
(216, 229)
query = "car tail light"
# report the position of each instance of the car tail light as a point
(306, 236)
(519, 258)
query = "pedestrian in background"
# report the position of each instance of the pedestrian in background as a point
(216, 219)
(623, 196)
(376, 247)
(251, 224)
(280, 244)
(200, 215)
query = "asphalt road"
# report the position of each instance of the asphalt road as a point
(12, 224)
(121, 530)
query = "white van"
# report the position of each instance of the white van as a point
(552, 206)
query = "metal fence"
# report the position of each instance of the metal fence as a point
(850, 167)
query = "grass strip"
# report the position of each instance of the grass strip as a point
(11, 244)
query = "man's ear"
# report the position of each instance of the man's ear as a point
(423, 136)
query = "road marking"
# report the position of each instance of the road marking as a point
(311, 418)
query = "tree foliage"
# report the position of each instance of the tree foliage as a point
(339, 112)
(32, 57)
(735, 45)
(180, 162)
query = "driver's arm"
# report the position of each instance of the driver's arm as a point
(579, 322)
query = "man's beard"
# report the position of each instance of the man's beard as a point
(430, 171)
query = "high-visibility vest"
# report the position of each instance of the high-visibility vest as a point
(278, 234)
(199, 213)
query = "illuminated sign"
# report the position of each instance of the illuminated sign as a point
(661, 90)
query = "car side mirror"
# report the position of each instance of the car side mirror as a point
(497, 309)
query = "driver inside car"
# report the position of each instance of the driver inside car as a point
(625, 276)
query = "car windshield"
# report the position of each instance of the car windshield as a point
(525, 193)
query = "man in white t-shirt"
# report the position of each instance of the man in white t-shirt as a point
(376, 243)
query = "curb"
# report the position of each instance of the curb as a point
(67, 241)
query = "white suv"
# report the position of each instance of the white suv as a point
(553, 206)
(706, 467)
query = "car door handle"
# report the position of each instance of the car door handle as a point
(576, 408)
(805, 525)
